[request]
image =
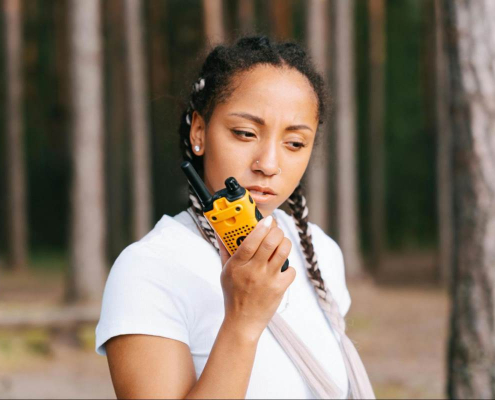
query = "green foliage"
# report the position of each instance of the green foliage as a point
(47, 261)
(37, 341)
(46, 129)
(86, 337)
(410, 149)
(3, 161)
(18, 349)
(409, 146)
(362, 81)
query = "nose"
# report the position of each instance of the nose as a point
(266, 160)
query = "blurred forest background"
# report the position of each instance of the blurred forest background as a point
(92, 92)
(173, 40)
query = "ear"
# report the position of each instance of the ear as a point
(197, 133)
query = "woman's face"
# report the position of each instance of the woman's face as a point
(268, 125)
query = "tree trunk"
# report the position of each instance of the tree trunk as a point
(159, 49)
(139, 120)
(470, 35)
(246, 16)
(160, 72)
(87, 269)
(213, 22)
(444, 151)
(346, 152)
(281, 18)
(376, 130)
(16, 176)
(117, 123)
(317, 178)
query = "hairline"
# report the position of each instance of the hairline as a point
(231, 87)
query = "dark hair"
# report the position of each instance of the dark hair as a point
(222, 64)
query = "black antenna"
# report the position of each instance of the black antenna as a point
(197, 184)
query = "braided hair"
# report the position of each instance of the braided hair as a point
(214, 86)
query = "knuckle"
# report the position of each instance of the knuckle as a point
(249, 280)
(270, 243)
(284, 249)
(282, 254)
(227, 273)
(249, 249)
(272, 240)
(245, 250)
(287, 244)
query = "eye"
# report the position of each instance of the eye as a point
(243, 133)
(297, 145)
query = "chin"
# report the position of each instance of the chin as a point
(265, 210)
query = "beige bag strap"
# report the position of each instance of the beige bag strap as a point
(315, 376)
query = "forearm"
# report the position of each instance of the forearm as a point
(228, 369)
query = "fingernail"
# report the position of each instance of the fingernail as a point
(268, 221)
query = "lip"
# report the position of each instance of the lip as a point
(264, 189)
(261, 198)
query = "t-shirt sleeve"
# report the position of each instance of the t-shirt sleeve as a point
(143, 295)
(331, 263)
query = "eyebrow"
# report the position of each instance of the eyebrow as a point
(261, 121)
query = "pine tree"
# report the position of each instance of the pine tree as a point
(470, 35)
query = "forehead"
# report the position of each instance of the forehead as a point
(267, 88)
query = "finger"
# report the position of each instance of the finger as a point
(280, 255)
(249, 246)
(224, 254)
(287, 277)
(268, 245)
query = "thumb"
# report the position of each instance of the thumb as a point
(224, 254)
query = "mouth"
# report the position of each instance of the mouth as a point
(261, 195)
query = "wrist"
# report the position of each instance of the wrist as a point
(240, 332)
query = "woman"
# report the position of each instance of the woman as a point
(180, 317)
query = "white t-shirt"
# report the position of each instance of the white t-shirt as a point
(168, 284)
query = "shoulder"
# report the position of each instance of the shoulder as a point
(156, 284)
(172, 249)
(169, 260)
(150, 266)
(172, 239)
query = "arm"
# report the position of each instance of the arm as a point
(228, 369)
(143, 366)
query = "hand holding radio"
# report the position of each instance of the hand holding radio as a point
(231, 212)
(252, 284)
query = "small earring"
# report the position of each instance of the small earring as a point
(279, 171)
(196, 148)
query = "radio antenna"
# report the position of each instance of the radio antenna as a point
(197, 183)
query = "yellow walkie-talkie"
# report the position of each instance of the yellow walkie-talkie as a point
(231, 212)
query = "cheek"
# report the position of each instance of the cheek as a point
(223, 159)
(294, 171)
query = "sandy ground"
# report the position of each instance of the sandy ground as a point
(401, 334)
(399, 330)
